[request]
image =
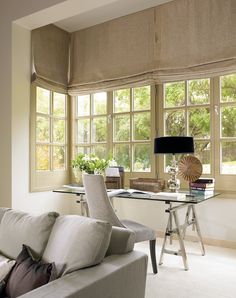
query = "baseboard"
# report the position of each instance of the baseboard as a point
(206, 240)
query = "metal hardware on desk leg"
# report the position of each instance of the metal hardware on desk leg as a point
(164, 242)
(171, 224)
(83, 206)
(198, 229)
(181, 241)
(186, 222)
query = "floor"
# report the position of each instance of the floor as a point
(209, 276)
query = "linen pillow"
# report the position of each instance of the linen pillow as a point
(77, 242)
(5, 266)
(18, 228)
(28, 274)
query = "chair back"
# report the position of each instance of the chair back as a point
(99, 204)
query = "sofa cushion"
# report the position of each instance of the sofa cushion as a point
(77, 242)
(28, 274)
(18, 228)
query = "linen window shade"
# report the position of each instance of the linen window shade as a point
(50, 57)
(182, 39)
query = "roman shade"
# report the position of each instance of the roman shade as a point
(182, 39)
(50, 56)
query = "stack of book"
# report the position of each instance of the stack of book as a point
(203, 186)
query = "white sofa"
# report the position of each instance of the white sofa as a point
(93, 259)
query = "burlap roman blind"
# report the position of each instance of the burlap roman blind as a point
(50, 56)
(181, 39)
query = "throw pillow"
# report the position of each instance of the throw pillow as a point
(28, 274)
(5, 266)
(18, 228)
(77, 242)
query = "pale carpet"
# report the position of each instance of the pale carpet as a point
(209, 276)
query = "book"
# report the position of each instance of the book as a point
(202, 192)
(202, 188)
(204, 180)
(169, 195)
(127, 192)
(202, 185)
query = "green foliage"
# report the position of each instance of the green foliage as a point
(228, 88)
(90, 163)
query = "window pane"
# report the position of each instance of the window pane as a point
(203, 153)
(228, 157)
(99, 103)
(142, 155)
(122, 128)
(174, 123)
(122, 156)
(199, 91)
(42, 129)
(142, 126)
(100, 151)
(142, 98)
(99, 129)
(42, 157)
(174, 94)
(59, 104)
(228, 121)
(228, 88)
(84, 150)
(59, 131)
(199, 123)
(83, 131)
(58, 158)
(83, 105)
(42, 101)
(121, 100)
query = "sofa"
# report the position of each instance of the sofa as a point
(91, 258)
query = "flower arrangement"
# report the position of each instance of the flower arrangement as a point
(90, 163)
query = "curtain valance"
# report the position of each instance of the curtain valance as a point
(50, 56)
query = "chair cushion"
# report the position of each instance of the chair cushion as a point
(5, 266)
(142, 233)
(18, 228)
(28, 274)
(77, 242)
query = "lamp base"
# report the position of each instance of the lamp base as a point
(173, 184)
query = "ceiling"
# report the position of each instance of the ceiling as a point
(100, 14)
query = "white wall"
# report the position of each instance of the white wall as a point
(217, 216)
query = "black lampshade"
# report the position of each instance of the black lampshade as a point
(173, 145)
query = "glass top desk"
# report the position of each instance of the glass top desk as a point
(173, 227)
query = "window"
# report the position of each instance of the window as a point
(117, 122)
(187, 112)
(228, 124)
(91, 124)
(132, 128)
(206, 110)
(49, 132)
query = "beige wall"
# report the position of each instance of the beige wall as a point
(217, 217)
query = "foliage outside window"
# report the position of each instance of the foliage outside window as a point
(187, 112)
(50, 130)
(120, 125)
(190, 109)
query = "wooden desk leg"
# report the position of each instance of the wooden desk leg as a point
(195, 220)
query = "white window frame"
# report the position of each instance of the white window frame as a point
(48, 179)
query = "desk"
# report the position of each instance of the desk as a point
(173, 224)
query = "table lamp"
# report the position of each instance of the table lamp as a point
(173, 145)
